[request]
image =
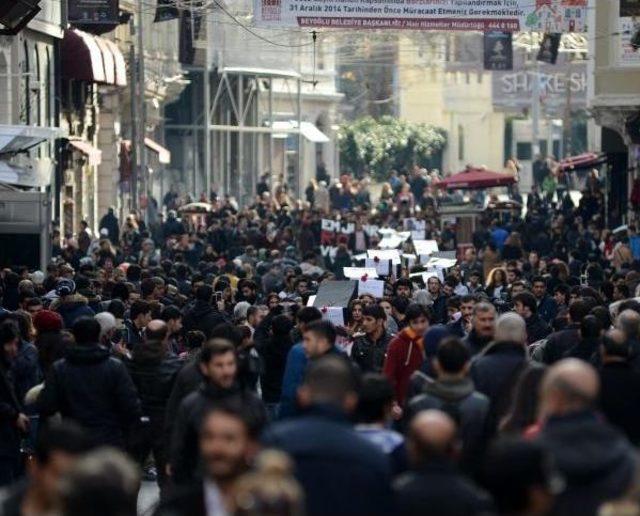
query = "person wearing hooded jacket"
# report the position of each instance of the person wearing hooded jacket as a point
(70, 305)
(92, 388)
(454, 392)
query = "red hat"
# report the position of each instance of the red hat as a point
(47, 320)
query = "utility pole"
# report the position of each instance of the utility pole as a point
(133, 67)
(535, 109)
(206, 76)
(143, 173)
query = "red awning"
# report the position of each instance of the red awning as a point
(586, 160)
(91, 58)
(476, 178)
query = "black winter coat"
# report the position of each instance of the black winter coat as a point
(274, 357)
(537, 329)
(9, 410)
(203, 317)
(471, 407)
(597, 463)
(188, 379)
(437, 488)
(183, 455)
(153, 375)
(560, 342)
(494, 373)
(341, 473)
(370, 355)
(96, 391)
(620, 398)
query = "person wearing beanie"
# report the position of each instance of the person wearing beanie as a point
(47, 321)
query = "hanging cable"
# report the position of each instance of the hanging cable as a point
(255, 34)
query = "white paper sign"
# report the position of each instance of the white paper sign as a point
(357, 272)
(333, 314)
(444, 263)
(386, 254)
(372, 287)
(390, 242)
(425, 247)
(382, 267)
(311, 300)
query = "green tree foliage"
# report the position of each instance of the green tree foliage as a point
(378, 146)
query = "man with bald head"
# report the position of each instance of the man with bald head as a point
(597, 462)
(435, 486)
(153, 369)
(619, 385)
(496, 370)
(628, 321)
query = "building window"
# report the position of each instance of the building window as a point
(25, 115)
(5, 89)
(47, 92)
(460, 143)
(36, 85)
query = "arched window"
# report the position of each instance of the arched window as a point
(460, 143)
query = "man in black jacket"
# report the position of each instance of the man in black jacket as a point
(341, 473)
(369, 350)
(495, 371)
(483, 327)
(92, 388)
(562, 341)
(139, 317)
(597, 462)
(526, 306)
(454, 392)
(153, 370)
(435, 486)
(227, 445)
(619, 385)
(218, 364)
(202, 316)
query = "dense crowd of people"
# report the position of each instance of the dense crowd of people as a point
(184, 350)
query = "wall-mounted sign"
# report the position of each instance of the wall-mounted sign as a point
(92, 12)
(565, 82)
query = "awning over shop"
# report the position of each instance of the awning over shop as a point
(36, 174)
(18, 138)
(586, 160)
(476, 178)
(307, 129)
(91, 58)
(94, 155)
(164, 155)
